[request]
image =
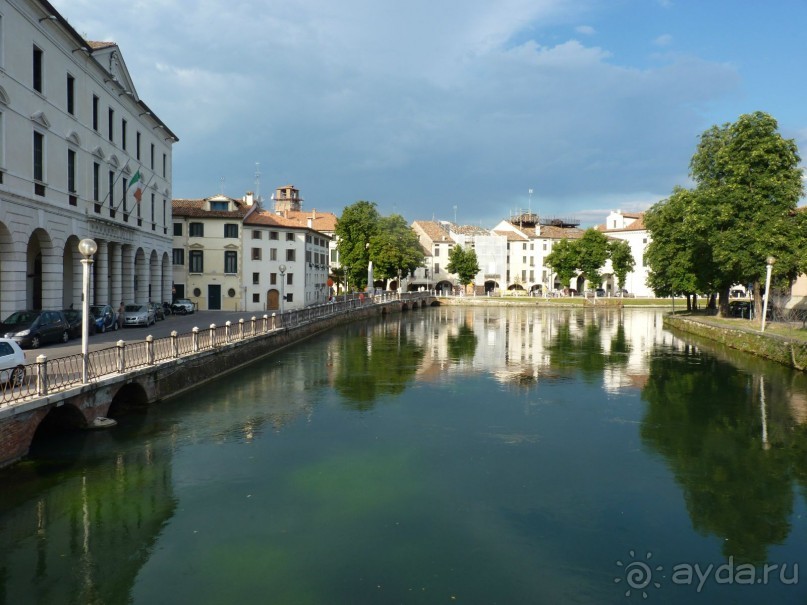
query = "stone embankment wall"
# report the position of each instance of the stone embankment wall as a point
(792, 353)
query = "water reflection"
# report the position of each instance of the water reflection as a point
(510, 454)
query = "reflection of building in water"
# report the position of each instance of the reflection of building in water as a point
(101, 523)
(521, 345)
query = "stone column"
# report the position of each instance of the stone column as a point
(115, 271)
(127, 274)
(13, 293)
(52, 278)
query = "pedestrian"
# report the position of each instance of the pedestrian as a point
(121, 312)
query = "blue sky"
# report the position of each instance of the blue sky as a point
(437, 109)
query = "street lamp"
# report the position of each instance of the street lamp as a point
(282, 269)
(769, 261)
(87, 248)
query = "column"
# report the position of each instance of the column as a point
(101, 268)
(115, 271)
(127, 274)
(13, 292)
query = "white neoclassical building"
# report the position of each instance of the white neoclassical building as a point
(81, 155)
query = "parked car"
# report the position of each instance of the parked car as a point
(138, 315)
(105, 318)
(166, 309)
(12, 363)
(74, 321)
(599, 292)
(35, 328)
(157, 308)
(182, 306)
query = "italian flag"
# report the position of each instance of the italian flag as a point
(137, 183)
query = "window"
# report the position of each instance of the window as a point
(256, 298)
(111, 124)
(37, 69)
(333, 255)
(290, 255)
(272, 253)
(178, 229)
(273, 235)
(544, 246)
(220, 206)
(152, 156)
(230, 230)
(123, 193)
(179, 256)
(289, 297)
(71, 176)
(256, 254)
(308, 256)
(71, 95)
(289, 279)
(165, 164)
(96, 181)
(196, 263)
(95, 113)
(256, 278)
(230, 261)
(196, 230)
(256, 234)
(111, 189)
(123, 125)
(273, 279)
(289, 237)
(137, 145)
(436, 268)
(39, 166)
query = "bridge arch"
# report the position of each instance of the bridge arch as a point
(130, 397)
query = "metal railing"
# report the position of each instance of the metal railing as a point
(46, 376)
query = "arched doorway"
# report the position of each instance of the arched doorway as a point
(490, 286)
(272, 300)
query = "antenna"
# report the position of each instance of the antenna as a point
(257, 180)
(529, 208)
(221, 185)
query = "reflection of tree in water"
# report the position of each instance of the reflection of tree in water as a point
(374, 365)
(584, 350)
(462, 345)
(704, 417)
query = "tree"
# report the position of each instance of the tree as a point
(354, 229)
(621, 260)
(464, 263)
(592, 252)
(395, 250)
(674, 256)
(563, 260)
(748, 183)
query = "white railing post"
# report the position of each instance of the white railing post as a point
(174, 344)
(265, 323)
(150, 349)
(274, 321)
(227, 326)
(195, 339)
(254, 325)
(42, 375)
(121, 356)
(212, 336)
(241, 329)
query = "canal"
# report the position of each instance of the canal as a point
(446, 455)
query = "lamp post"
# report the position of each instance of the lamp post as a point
(770, 261)
(87, 248)
(282, 269)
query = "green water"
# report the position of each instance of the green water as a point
(448, 455)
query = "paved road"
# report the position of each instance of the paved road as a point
(180, 323)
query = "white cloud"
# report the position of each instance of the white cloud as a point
(663, 40)
(586, 30)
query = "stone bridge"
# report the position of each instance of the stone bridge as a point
(52, 396)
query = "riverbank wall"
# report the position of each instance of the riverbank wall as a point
(789, 352)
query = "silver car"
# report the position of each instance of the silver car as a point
(138, 315)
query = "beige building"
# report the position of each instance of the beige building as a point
(207, 253)
(81, 156)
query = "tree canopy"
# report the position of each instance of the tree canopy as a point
(463, 263)
(395, 249)
(741, 211)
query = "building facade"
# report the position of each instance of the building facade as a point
(81, 155)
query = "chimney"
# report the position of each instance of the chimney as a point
(310, 223)
(314, 214)
(249, 199)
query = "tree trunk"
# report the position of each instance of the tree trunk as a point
(712, 301)
(757, 290)
(689, 303)
(723, 297)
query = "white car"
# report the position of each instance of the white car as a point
(12, 363)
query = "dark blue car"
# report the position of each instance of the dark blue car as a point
(105, 318)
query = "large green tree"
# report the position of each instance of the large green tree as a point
(563, 260)
(622, 260)
(748, 183)
(395, 249)
(592, 252)
(359, 223)
(463, 263)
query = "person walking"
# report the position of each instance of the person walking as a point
(121, 312)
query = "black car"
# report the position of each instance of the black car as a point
(159, 314)
(35, 328)
(74, 321)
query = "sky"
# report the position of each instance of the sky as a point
(453, 109)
